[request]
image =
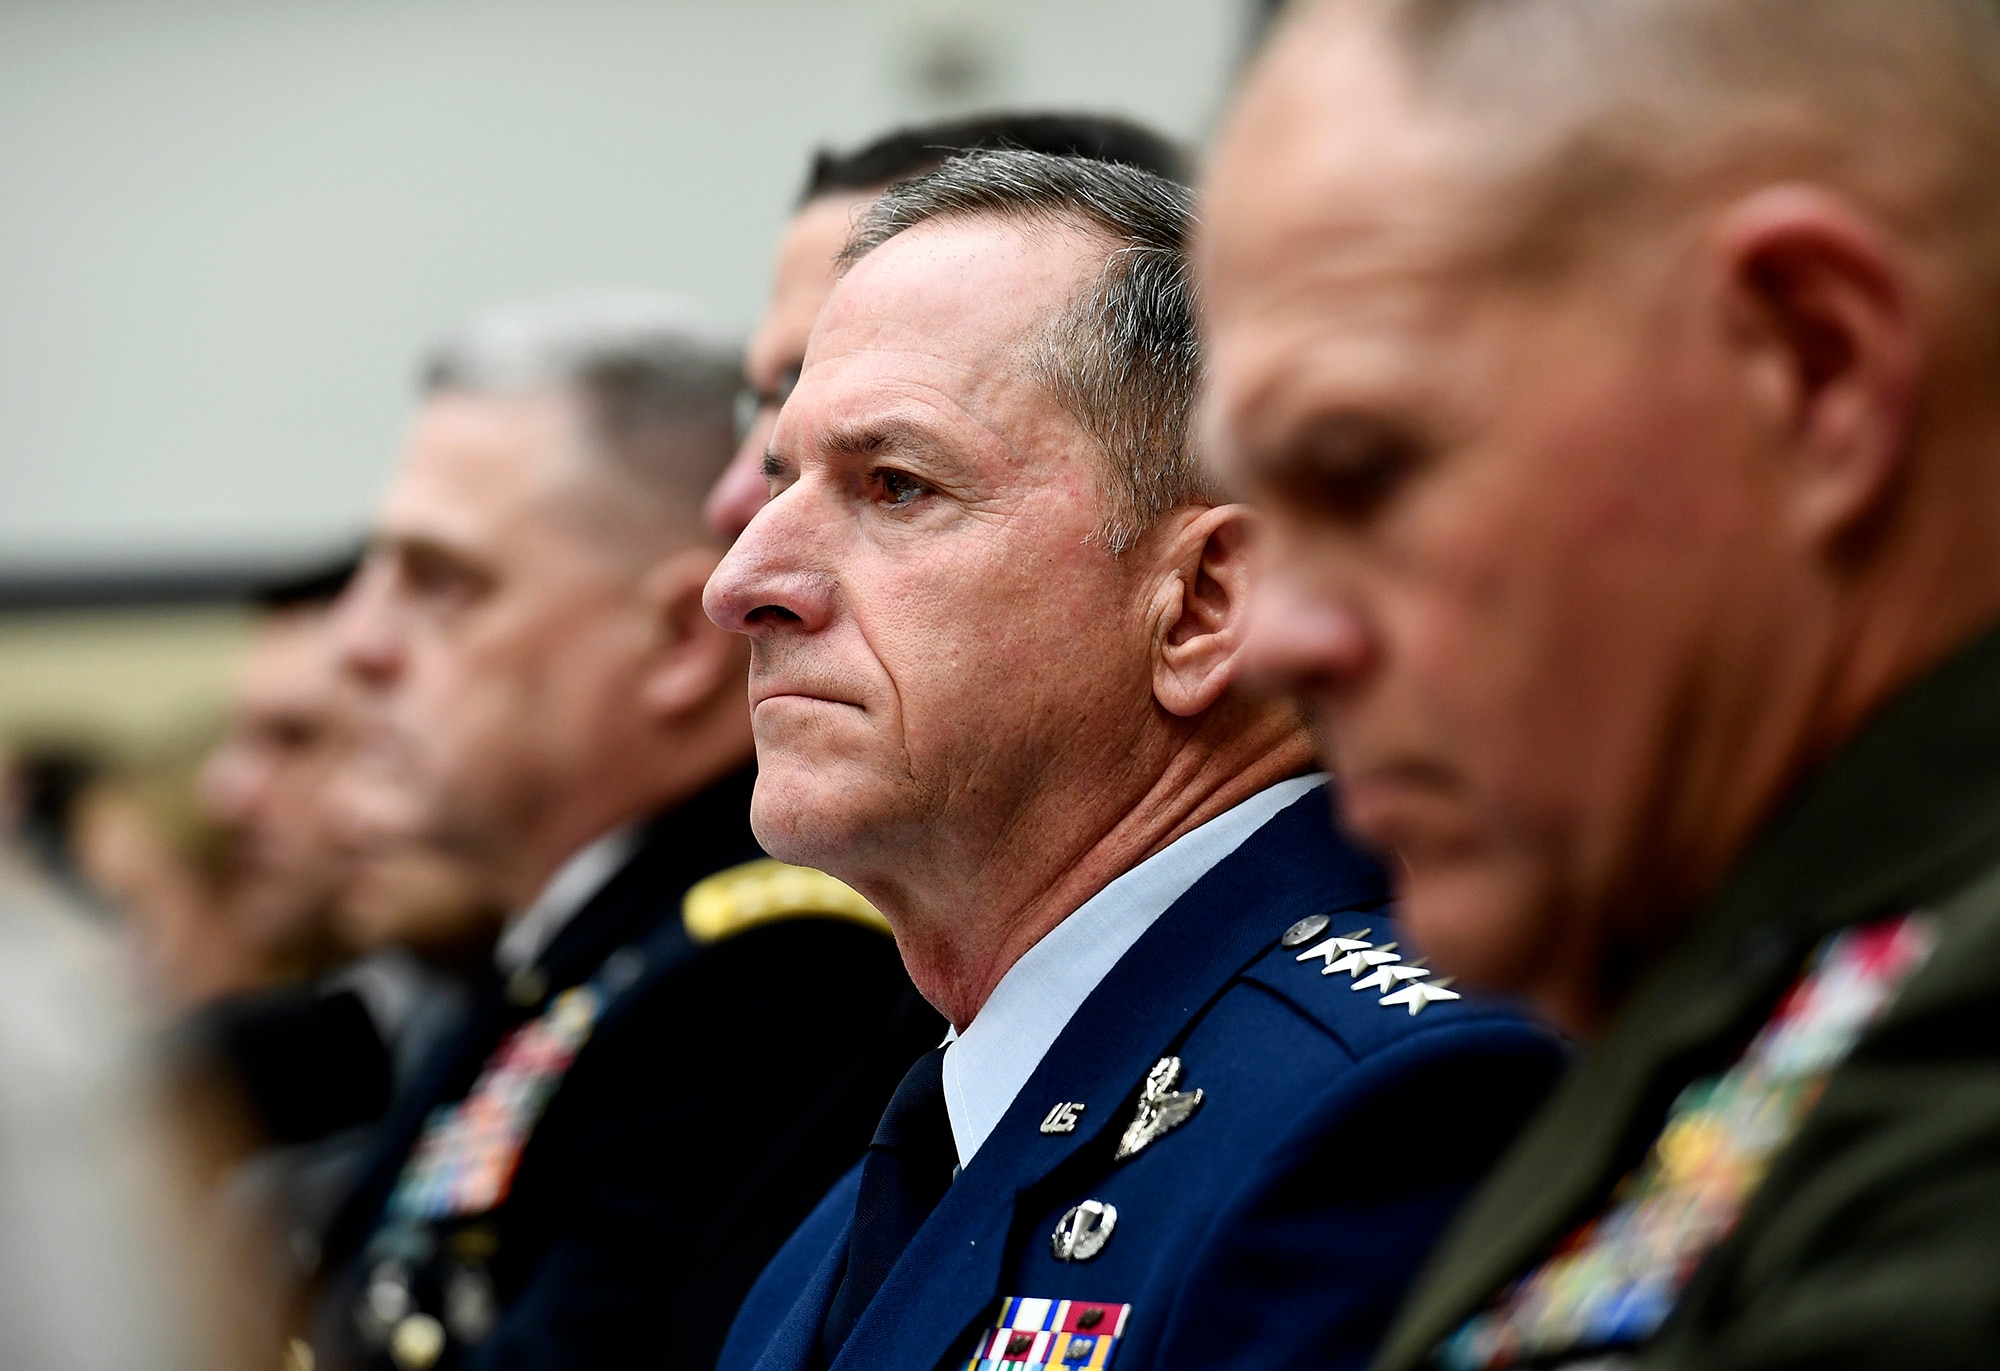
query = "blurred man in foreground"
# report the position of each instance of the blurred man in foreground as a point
(839, 185)
(1620, 380)
(995, 617)
(101, 1271)
(547, 695)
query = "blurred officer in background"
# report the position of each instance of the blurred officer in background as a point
(331, 1006)
(544, 689)
(290, 729)
(1620, 376)
(995, 616)
(838, 186)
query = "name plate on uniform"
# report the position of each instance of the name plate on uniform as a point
(1061, 1335)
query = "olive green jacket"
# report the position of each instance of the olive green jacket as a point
(1874, 1240)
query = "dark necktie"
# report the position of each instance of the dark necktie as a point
(907, 1170)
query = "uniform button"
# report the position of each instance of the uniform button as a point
(1305, 930)
(526, 986)
(417, 1343)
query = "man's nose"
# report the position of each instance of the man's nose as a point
(774, 578)
(227, 784)
(1306, 637)
(367, 636)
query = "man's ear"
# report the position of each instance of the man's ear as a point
(1822, 303)
(1201, 606)
(691, 660)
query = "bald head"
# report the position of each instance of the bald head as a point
(1617, 376)
(1591, 117)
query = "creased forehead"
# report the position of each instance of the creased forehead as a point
(969, 283)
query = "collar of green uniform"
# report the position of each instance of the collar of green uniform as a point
(1905, 813)
(1908, 811)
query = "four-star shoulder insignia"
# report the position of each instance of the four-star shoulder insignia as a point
(1378, 968)
(1418, 994)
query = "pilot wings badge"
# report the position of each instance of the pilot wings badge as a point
(1161, 1109)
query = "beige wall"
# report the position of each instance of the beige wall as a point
(131, 682)
(228, 226)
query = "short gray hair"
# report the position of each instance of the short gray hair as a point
(1123, 357)
(656, 387)
(1611, 112)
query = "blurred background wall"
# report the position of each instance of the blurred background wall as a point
(228, 227)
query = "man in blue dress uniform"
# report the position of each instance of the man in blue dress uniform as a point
(1198, 1108)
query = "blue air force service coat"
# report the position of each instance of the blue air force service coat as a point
(1275, 1223)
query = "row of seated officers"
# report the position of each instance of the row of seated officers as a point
(1651, 638)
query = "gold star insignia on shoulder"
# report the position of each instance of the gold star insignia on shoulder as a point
(1419, 994)
(1161, 1109)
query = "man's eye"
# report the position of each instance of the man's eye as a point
(899, 487)
(1351, 468)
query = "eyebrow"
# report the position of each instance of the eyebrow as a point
(868, 439)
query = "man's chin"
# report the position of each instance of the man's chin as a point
(1476, 916)
(804, 814)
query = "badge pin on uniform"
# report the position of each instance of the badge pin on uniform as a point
(1161, 1109)
(1082, 1232)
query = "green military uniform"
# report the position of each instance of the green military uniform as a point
(1873, 1238)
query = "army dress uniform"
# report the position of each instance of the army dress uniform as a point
(1785, 1150)
(1233, 1153)
(581, 1177)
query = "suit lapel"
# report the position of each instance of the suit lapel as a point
(1293, 866)
(794, 1345)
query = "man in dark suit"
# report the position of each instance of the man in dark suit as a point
(1619, 381)
(1198, 1109)
(576, 1177)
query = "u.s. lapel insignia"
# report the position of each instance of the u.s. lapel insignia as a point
(1063, 1117)
(1418, 994)
(1082, 1232)
(1161, 1109)
(1030, 1335)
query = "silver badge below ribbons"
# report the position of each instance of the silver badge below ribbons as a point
(1082, 1232)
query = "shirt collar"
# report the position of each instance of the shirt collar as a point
(986, 1066)
(530, 932)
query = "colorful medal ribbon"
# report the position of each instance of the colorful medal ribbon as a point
(1053, 1334)
(1613, 1282)
(465, 1161)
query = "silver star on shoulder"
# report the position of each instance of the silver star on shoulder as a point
(1161, 1109)
(1419, 994)
(1354, 963)
(1386, 977)
(1335, 947)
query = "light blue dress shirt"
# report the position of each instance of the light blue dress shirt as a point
(986, 1066)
